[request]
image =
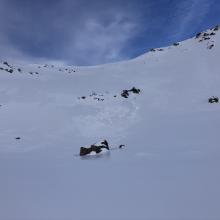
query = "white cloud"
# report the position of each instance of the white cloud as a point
(102, 43)
(191, 12)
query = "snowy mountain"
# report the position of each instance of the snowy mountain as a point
(169, 167)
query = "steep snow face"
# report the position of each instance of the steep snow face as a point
(169, 166)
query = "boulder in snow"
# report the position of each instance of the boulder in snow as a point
(210, 46)
(213, 99)
(198, 35)
(94, 148)
(125, 94)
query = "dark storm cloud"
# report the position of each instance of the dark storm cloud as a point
(86, 32)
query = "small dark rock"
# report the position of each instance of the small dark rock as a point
(94, 148)
(83, 97)
(176, 44)
(134, 90)
(198, 35)
(205, 34)
(216, 28)
(6, 63)
(105, 142)
(125, 94)
(121, 146)
(211, 46)
(206, 38)
(152, 50)
(19, 70)
(17, 138)
(213, 99)
(212, 34)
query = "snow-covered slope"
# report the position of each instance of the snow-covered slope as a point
(169, 168)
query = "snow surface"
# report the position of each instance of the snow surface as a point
(169, 168)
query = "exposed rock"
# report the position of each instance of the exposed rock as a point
(213, 99)
(205, 34)
(83, 97)
(176, 44)
(198, 35)
(121, 146)
(206, 38)
(212, 34)
(216, 28)
(9, 70)
(134, 90)
(125, 94)
(17, 138)
(211, 46)
(96, 148)
(105, 142)
(6, 63)
(152, 50)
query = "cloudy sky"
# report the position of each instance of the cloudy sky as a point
(89, 32)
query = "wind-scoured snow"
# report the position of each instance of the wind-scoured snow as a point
(169, 167)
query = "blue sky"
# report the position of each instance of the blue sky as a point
(90, 32)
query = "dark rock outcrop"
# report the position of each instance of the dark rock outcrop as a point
(121, 146)
(210, 46)
(216, 28)
(134, 90)
(205, 34)
(213, 99)
(97, 148)
(206, 38)
(125, 93)
(198, 35)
